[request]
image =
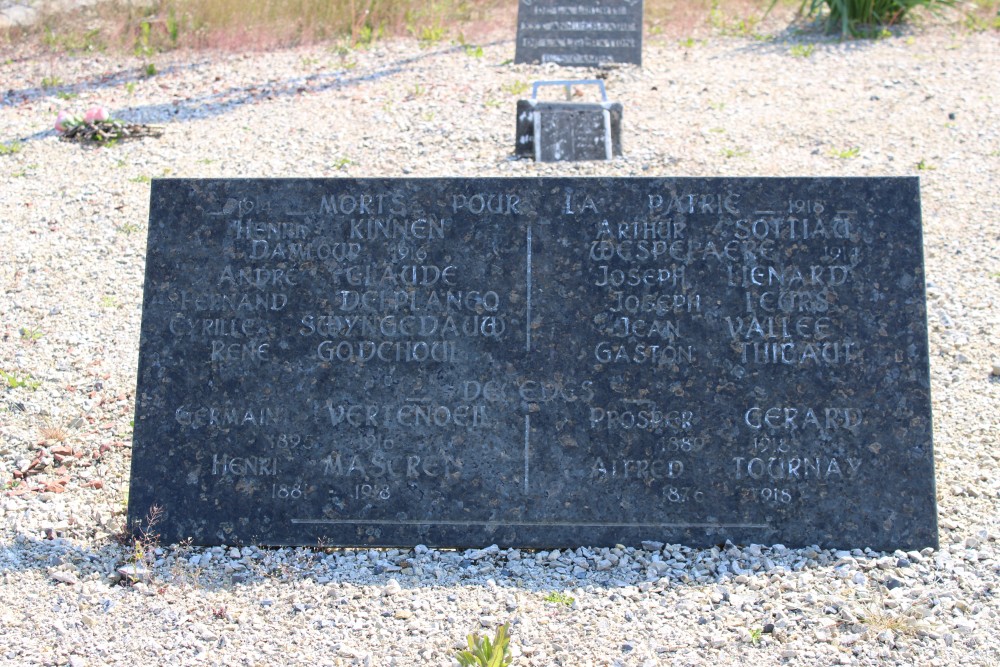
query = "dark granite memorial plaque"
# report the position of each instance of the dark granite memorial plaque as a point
(584, 33)
(568, 131)
(535, 362)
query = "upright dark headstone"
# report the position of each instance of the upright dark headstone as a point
(581, 33)
(535, 362)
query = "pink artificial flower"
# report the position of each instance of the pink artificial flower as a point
(66, 120)
(96, 113)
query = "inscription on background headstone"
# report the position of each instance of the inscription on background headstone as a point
(585, 33)
(566, 131)
(535, 362)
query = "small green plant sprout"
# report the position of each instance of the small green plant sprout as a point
(430, 35)
(11, 148)
(484, 653)
(51, 82)
(149, 70)
(63, 95)
(31, 334)
(924, 165)
(516, 87)
(416, 91)
(130, 88)
(688, 43)
(558, 597)
(365, 35)
(734, 152)
(141, 178)
(846, 154)
(802, 50)
(173, 27)
(341, 163)
(108, 301)
(14, 381)
(127, 228)
(755, 636)
(143, 48)
(732, 28)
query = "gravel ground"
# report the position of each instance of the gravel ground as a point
(73, 224)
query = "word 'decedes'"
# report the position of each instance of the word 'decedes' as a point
(535, 363)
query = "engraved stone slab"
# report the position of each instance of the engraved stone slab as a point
(568, 131)
(535, 362)
(580, 33)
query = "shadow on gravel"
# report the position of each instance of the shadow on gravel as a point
(802, 42)
(218, 102)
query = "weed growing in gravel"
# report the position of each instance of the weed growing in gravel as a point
(846, 154)
(86, 42)
(734, 152)
(484, 653)
(923, 165)
(11, 148)
(108, 301)
(471, 50)
(127, 228)
(364, 36)
(558, 597)
(31, 334)
(141, 178)
(735, 27)
(51, 82)
(149, 70)
(755, 636)
(516, 87)
(430, 35)
(142, 541)
(802, 50)
(15, 381)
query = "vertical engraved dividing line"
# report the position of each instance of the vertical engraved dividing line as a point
(527, 338)
(527, 433)
(608, 153)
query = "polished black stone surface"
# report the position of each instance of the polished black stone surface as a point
(535, 362)
(583, 33)
(568, 131)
